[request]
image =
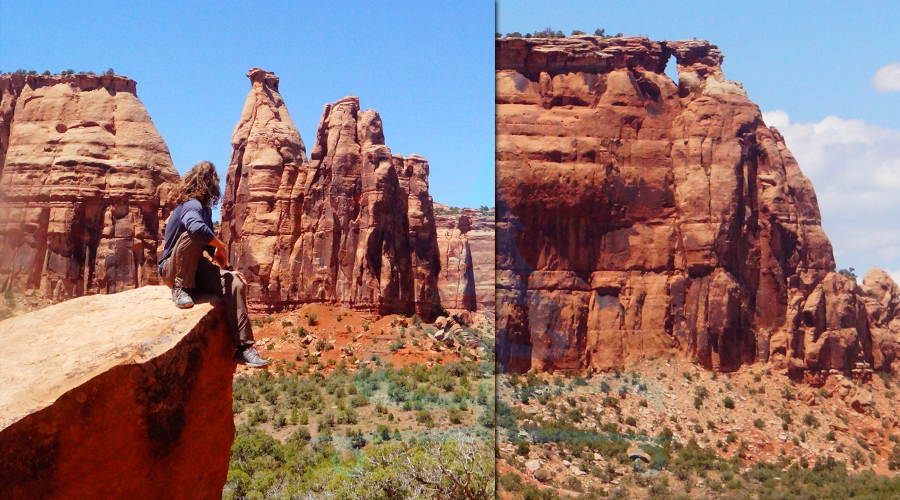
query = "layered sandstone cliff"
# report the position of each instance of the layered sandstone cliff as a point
(638, 216)
(116, 396)
(82, 173)
(466, 244)
(354, 225)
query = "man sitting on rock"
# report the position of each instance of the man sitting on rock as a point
(189, 231)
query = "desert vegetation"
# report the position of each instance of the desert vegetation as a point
(359, 431)
(551, 33)
(67, 72)
(671, 430)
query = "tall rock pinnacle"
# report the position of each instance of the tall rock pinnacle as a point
(354, 225)
(264, 189)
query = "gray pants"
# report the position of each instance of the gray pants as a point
(196, 272)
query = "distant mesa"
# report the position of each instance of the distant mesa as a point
(352, 225)
(641, 217)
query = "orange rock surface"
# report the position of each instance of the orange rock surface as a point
(82, 173)
(116, 396)
(638, 216)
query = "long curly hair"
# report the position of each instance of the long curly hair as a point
(201, 182)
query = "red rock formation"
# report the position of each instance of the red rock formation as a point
(10, 88)
(638, 216)
(117, 396)
(881, 296)
(466, 243)
(82, 174)
(353, 226)
(264, 190)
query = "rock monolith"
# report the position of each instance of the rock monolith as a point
(638, 216)
(84, 177)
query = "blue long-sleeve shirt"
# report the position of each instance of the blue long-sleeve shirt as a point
(189, 216)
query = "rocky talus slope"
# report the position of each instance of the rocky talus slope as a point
(353, 225)
(638, 216)
(82, 173)
(116, 396)
(466, 243)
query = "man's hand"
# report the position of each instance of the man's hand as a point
(221, 257)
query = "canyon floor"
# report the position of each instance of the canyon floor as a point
(668, 427)
(353, 403)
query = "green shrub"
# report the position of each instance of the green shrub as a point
(424, 417)
(728, 402)
(511, 482)
(810, 420)
(575, 415)
(522, 448)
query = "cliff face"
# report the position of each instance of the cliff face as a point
(82, 172)
(121, 396)
(466, 244)
(354, 225)
(638, 216)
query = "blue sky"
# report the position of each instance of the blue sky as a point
(427, 67)
(810, 67)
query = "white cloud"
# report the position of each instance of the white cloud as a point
(777, 119)
(887, 78)
(855, 169)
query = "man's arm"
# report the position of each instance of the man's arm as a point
(220, 257)
(197, 227)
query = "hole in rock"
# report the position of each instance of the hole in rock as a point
(671, 69)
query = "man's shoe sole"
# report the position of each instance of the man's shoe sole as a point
(184, 306)
(251, 365)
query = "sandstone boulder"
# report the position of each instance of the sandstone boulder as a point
(638, 216)
(116, 396)
(354, 225)
(807, 396)
(638, 453)
(861, 400)
(444, 322)
(84, 177)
